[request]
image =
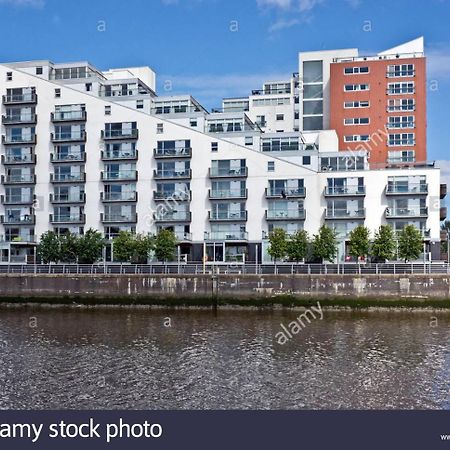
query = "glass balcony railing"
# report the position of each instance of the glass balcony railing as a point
(17, 238)
(285, 192)
(226, 236)
(227, 215)
(17, 199)
(345, 213)
(67, 218)
(183, 236)
(69, 137)
(68, 116)
(118, 196)
(174, 195)
(119, 154)
(120, 134)
(172, 173)
(119, 175)
(406, 212)
(77, 197)
(11, 119)
(118, 218)
(217, 194)
(68, 177)
(17, 179)
(23, 219)
(19, 139)
(25, 158)
(75, 156)
(172, 152)
(337, 191)
(173, 216)
(285, 214)
(411, 188)
(228, 172)
(20, 98)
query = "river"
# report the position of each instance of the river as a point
(197, 359)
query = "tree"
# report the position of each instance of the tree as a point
(277, 244)
(165, 245)
(324, 246)
(297, 246)
(129, 247)
(410, 243)
(49, 248)
(383, 246)
(359, 242)
(90, 247)
(69, 247)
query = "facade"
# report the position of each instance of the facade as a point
(86, 149)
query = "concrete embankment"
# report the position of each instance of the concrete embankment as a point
(250, 290)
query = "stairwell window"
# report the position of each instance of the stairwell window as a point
(9, 76)
(159, 128)
(270, 166)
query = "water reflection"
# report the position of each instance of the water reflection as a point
(76, 358)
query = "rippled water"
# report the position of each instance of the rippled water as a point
(77, 358)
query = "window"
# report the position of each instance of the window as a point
(107, 110)
(401, 122)
(280, 116)
(312, 72)
(401, 88)
(357, 138)
(214, 146)
(306, 160)
(248, 140)
(403, 104)
(139, 104)
(356, 87)
(39, 71)
(88, 87)
(57, 93)
(270, 166)
(357, 104)
(193, 122)
(399, 156)
(159, 128)
(8, 76)
(312, 123)
(401, 139)
(400, 70)
(356, 121)
(353, 70)
(261, 121)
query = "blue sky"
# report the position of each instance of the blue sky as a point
(216, 48)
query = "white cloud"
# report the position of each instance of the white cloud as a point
(32, 3)
(354, 3)
(283, 24)
(438, 62)
(283, 4)
(210, 89)
(298, 5)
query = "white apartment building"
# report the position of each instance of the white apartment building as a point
(82, 148)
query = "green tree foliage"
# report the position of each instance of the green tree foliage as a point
(297, 246)
(359, 242)
(130, 247)
(69, 243)
(410, 243)
(165, 245)
(90, 247)
(49, 248)
(383, 246)
(324, 246)
(277, 244)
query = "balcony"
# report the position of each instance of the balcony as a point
(19, 179)
(79, 136)
(345, 191)
(68, 116)
(442, 213)
(285, 214)
(110, 135)
(68, 177)
(13, 140)
(17, 199)
(339, 214)
(443, 191)
(19, 119)
(68, 218)
(18, 239)
(107, 197)
(68, 157)
(19, 159)
(216, 172)
(16, 99)
(227, 216)
(161, 153)
(172, 216)
(118, 218)
(299, 192)
(121, 175)
(215, 194)
(183, 236)
(172, 174)
(399, 213)
(226, 236)
(410, 189)
(119, 155)
(68, 198)
(178, 196)
(25, 219)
